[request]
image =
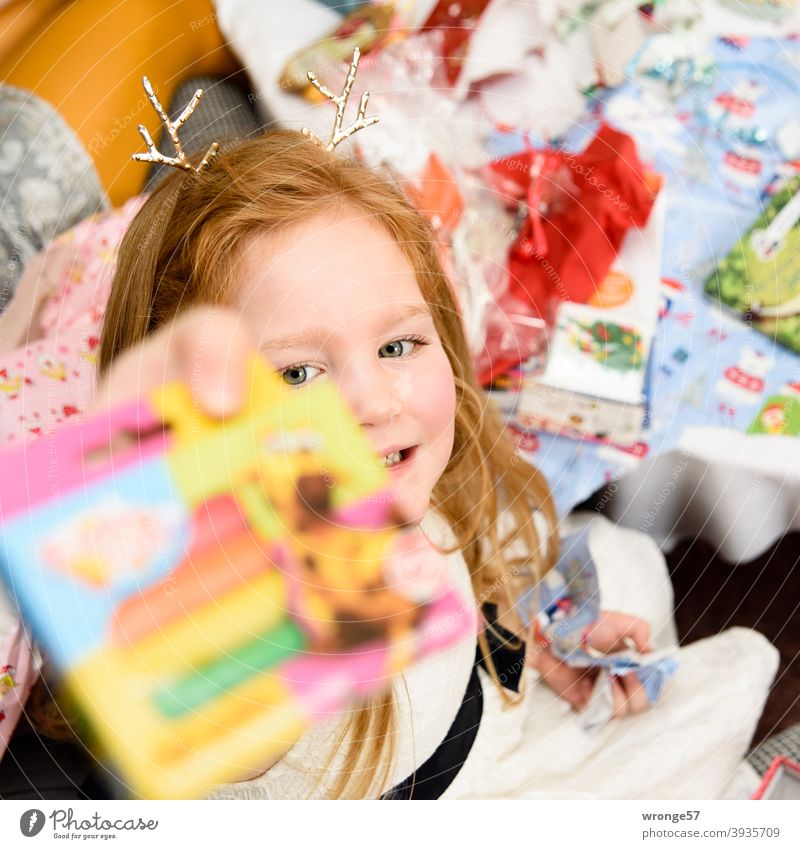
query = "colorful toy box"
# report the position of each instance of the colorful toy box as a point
(209, 590)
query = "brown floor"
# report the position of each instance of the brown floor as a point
(712, 595)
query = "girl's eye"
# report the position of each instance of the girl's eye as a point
(399, 347)
(298, 375)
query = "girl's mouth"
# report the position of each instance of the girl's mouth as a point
(397, 460)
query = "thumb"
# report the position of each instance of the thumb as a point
(610, 631)
(639, 632)
(205, 347)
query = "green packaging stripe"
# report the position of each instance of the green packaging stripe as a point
(220, 676)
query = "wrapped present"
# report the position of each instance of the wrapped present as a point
(367, 27)
(576, 210)
(209, 590)
(595, 381)
(779, 416)
(760, 277)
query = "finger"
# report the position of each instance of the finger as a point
(611, 630)
(619, 698)
(214, 356)
(573, 687)
(206, 347)
(639, 631)
(634, 691)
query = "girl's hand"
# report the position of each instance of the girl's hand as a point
(206, 347)
(608, 634)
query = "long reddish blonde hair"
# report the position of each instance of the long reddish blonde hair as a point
(182, 249)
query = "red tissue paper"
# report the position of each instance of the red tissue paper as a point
(577, 209)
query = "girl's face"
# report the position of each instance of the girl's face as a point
(334, 299)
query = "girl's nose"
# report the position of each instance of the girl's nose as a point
(374, 392)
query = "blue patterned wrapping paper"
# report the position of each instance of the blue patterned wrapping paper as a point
(719, 167)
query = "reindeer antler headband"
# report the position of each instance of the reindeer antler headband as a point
(337, 133)
(181, 160)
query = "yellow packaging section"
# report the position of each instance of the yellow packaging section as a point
(183, 759)
(280, 434)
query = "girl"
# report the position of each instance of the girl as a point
(324, 267)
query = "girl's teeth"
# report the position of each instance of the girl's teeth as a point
(391, 459)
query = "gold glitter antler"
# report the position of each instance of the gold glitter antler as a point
(338, 134)
(181, 160)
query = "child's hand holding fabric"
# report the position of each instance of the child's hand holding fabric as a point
(600, 662)
(611, 632)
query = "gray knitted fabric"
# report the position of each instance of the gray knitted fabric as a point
(226, 114)
(48, 182)
(786, 743)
